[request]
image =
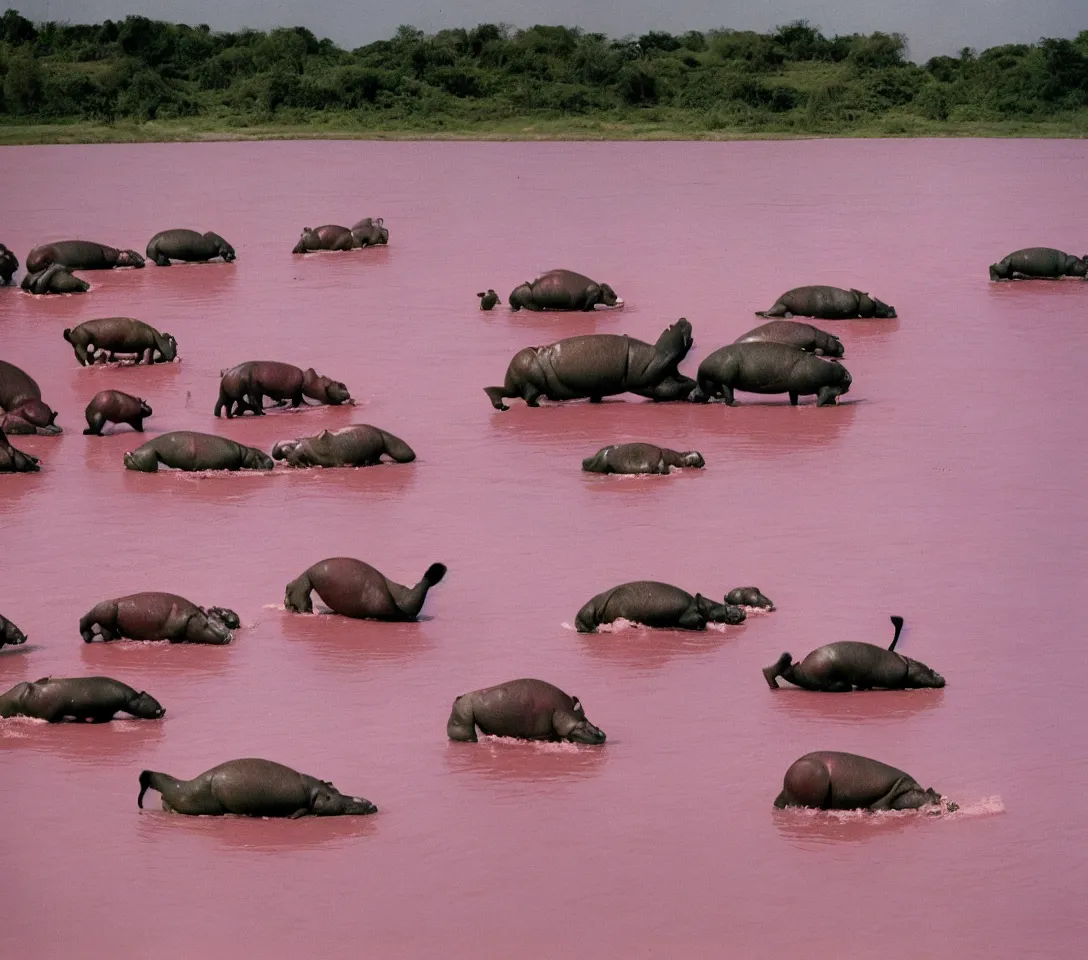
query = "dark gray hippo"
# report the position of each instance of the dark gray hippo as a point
(113, 406)
(21, 401)
(640, 458)
(828, 780)
(10, 634)
(9, 263)
(15, 461)
(352, 588)
(1039, 263)
(527, 709)
(245, 386)
(54, 279)
(252, 788)
(88, 699)
(188, 246)
(370, 233)
(329, 236)
(770, 368)
(599, 365)
(654, 604)
(803, 336)
(191, 450)
(157, 616)
(359, 445)
(562, 290)
(750, 597)
(488, 299)
(81, 255)
(849, 665)
(828, 303)
(120, 335)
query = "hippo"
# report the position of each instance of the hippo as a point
(1039, 263)
(640, 458)
(158, 616)
(488, 299)
(751, 597)
(15, 461)
(599, 365)
(9, 263)
(10, 634)
(352, 588)
(562, 290)
(803, 336)
(770, 368)
(828, 303)
(828, 780)
(331, 236)
(21, 400)
(368, 233)
(848, 665)
(113, 406)
(359, 445)
(89, 699)
(81, 255)
(251, 788)
(245, 386)
(527, 709)
(189, 246)
(54, 279)
(124, 335)
(654, 604)
(191, 450)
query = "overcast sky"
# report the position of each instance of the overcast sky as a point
(931, 26)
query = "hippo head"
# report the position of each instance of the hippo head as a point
(749, 597)
(257, 460)
(224, 249)
(579, 729)
(1079, 267)
(168, 348)
(129, 258)
(39, 414)
(834, 347)
(225, 615)
(208, 630)
(382, 234)
(719, 612)
(882, 309)
(146, 707)
(692, 458)
(607, 295)
(284, 448)
(327, 801)
(308, 241)
(919, 675)
(10, 634)
(321, 388)
(145, 408)
(520, 296)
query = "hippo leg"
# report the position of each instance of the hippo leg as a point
(531, 395)
(255, 399)
(162, 260)
(692, 619)
(296, 400)
(137, 424)
(461, 725)
(95, 422)
(793, 399)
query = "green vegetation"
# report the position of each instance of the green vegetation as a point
(140, 79)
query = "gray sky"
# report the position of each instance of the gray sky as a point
(931, 26)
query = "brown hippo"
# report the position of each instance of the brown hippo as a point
(15, 461)
(9, 263)
(124, 335)
(113, 406)
(90, 699)
(54, 279)
(252, 788)
(21, 399)
(599, 365)
(355, 589)
(770, 368)
(359, 445)
(562, 290)
(10, 634)
(828, 780)
(488, 299)
(158, 616)
(245, 386)
(654, 604)
(640, 458)
(1039, 263)
(750, 597)
(81, 255)
(828, 303)
(803, 336)
(527, 709)
(369, 233)
(191, 450)
(331, 236)
(188, 246)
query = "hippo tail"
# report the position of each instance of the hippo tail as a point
(435, 573)
(897, 622)
(145, 782)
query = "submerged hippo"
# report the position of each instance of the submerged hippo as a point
(9, 263)
(562, 290)
(352, 588)
(527, 709)
(849, 665)
(188, 246)
(640, 458)
(488, 299)
(369, 233)
(190, 450)
(828, 780)
(13, 460)
(803, 336)
(1039, 263)
(120, 335)
(54, 279)
(245, 386)
(770, 368)
(93, 699)
(113, 406)
(359, 445)
(158, 616)
(599, 365)
(10, 634)
(252, 788)
(654, 604)
(330, 236)
(21, 400)
(749, 597)
(828, 303)
(81, 255)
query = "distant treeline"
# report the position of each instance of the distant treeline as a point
(791, 78)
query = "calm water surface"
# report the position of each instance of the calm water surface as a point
(948, 489)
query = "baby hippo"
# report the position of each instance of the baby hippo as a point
(245, 386)
(359, 445)
(91, 699)
(528, 709)
(654, 604)
(750, 597)
(158, 616)
(113, 406)
(640, 458)
(9, 633)
(9, 263)
(488, 299)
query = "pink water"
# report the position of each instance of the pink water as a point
(949, 489)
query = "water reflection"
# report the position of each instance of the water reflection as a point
(211, 487)
(160, 658)
(381, 482)
(507, 759)
(773, 430)
(337, 642)
(643, 648)
(881, 705)
(275, 835)
(88, 744)
(815, 829)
